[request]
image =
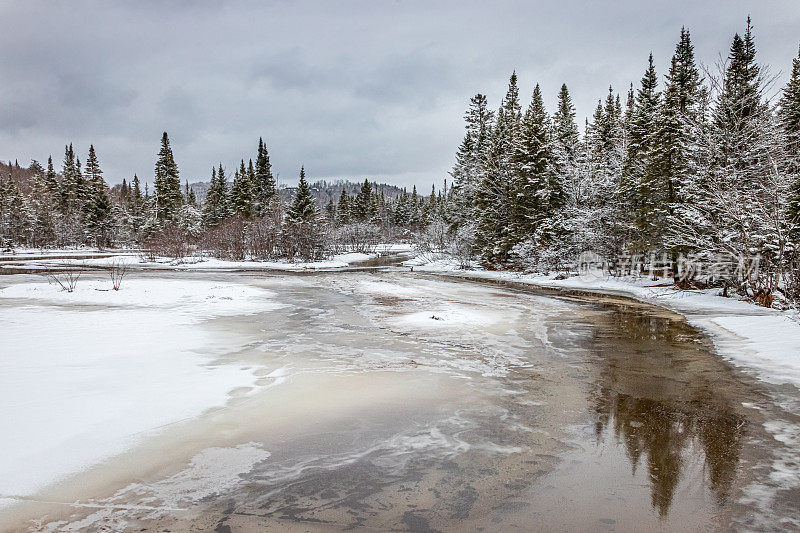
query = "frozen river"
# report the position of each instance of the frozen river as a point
(384, 400)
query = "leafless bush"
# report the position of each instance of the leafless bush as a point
(67, 279)
(357, 237)
(119, 268)
(264, 236)
(305, 240)
(462, 246)
(228, 240)
(171, 242)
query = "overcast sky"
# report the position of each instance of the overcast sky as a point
(349, 89)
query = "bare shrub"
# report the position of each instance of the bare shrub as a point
(357, 237)
(304, 240)
(119, 268)
(228, 240)
(462, 246)
(432, 242)
(171, 242)
(264, 236)
(67, 279)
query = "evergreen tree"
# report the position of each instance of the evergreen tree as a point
(343, 208)
(566, 141)
(531, 195)
(265, 187)
(167, 186)
(136, 207)
(51, 181)
(242, 193)
(493, 197)
(303, 209)
(637, 194)
(670, 160)
(42, 223)
(98, 206)
(789, 115)
(468, 171)
(191, 197)
(363, 208)
(215, 207)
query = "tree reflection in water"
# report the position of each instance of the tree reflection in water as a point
(666, 397)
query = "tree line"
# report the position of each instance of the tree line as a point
(242, 218)
(698, 175)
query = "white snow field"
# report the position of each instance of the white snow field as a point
(766, 341)
(85, 375)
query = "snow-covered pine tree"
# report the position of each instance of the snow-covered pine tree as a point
(598, 223)
(364, 208)
(167, 185)
(671, 159)
(467, 173)
(638, 195)
(15, 214)
(191, 197)
(215, 208)
(735, 205)
(265, 187)
(493, 197)
(51, 180)
(242, 193)
(41, 202)
(97, 208)
(530, 196)
(789, 114)
(343, 208)
(566, 142)
(303, 208)
(136, 208)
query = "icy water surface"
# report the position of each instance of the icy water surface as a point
(396, 401)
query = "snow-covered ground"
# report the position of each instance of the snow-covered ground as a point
(92, 258)
(86, 375)
(766, 341)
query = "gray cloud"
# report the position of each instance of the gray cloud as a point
(350, 89)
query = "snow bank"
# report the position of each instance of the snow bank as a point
(766, 341)
(338, 261)
(85, 375)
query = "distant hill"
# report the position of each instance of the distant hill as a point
(22, 175)
(323, 191)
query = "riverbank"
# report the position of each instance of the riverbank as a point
(764, 341)
(32, 260)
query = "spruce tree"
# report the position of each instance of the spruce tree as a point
(303, 209)
(638, 195)
(42, 230)
(242, 193)
(789, 115)
(136, 207)
(98, 205)
(215, 208)
(493, 197)
(343, 208)
(534, 159)
(468, 171)
(669, 161)
(265, 186)
(566, 141)
(167, 186)
(51, 181)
